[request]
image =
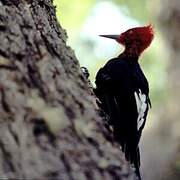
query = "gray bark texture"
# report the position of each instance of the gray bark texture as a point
(49, 125)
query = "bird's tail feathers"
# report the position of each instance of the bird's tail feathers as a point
(134, 158)
(137, 163)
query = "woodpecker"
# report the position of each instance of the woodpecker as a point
(123, 91)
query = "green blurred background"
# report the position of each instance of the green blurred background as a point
(84, 20)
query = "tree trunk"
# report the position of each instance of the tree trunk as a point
(49, 125)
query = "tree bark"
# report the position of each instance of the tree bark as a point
(49, 125)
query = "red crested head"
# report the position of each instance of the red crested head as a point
(135, 40)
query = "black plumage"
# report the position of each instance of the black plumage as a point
(123, 91)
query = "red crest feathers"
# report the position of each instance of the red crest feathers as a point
(146, 34)
(137, 39)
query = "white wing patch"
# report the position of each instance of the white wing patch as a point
(141, 107)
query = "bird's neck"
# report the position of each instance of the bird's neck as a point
(131, 56)
(128, 59)
(132, 51)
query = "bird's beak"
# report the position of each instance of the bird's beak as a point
(110, 36)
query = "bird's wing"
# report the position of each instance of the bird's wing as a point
(142, 104)
(126, 106)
